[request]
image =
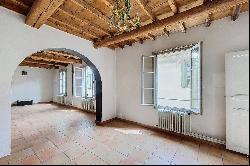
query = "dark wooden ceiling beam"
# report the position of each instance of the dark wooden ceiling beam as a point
(38, 65)
(166, 32)
(182, 27)
(53, 58)
(43, 62)
(41, 11)
(236, 12)
(61, 53)
(173, 6)
(208, 20)
(152, 37)
(208, 8)
(16, 6)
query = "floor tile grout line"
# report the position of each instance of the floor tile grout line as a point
(59, 130)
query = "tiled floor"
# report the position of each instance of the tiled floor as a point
(48, 134)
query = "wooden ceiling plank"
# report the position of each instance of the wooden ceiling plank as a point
(43, 62)
(26, 2)
(41, 11)
(85, 21)
(48, 64)
(70, 29)
(37, 65)
(107, 3)
(52, 58)
(165, 15)
(20, 3)
(180, 9)
(16, 6)
(91, 9)
(74, 23)
(146, 9)
(236, 12)
(66, 29)
(61, 53)
(191, 5)
(207, 8)
(173, 6)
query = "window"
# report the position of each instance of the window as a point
(196, 74)
(148, 80)
(62, 82)
(89, 77)
(179, 78)
(172, 78)
(79, 82)
(84, 83)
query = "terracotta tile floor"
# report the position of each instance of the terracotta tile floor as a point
(48, 134)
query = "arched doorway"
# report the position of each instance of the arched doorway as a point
(98, 81)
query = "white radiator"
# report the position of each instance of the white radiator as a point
(61, 99)
(89, 105)
(180, 122)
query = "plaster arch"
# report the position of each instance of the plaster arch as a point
(96, 74)
(19, 40)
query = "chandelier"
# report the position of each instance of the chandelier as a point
(121, 18)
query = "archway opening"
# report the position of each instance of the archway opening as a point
(86, 88)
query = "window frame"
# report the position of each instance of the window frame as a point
(143, 81)
(82, 82)
(92, 83)
(200, 45)
(63, 82)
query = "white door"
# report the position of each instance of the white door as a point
(237, 93)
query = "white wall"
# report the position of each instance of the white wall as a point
(18, 41)
(223, 36)
(121, 70)
(36, 86)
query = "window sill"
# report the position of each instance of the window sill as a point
(84, 98)
(147, 104)
(190, 112)
(77, 97)
(62, 95)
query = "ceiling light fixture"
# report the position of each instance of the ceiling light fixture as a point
(121, 18)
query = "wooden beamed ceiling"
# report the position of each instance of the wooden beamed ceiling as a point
(41, 11)
(88, 19)
(176, 20)
(50, 60)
